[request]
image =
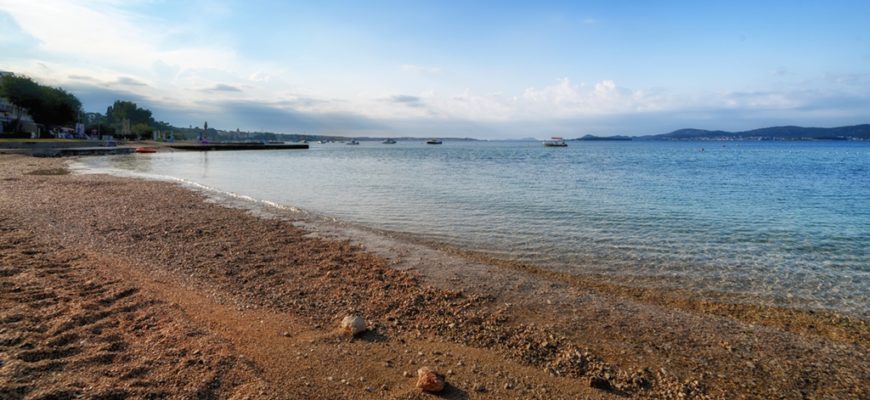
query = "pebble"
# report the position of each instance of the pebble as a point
(353, 325)
(479, 387)
(406, 374)
(429, 381)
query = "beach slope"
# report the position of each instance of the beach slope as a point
(122, 288)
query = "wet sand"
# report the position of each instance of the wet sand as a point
(122, 288)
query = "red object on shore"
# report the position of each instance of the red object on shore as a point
(146, 149)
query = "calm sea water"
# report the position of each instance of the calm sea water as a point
(786, 222)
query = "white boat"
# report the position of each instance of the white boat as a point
(433, 141)
(555, 141)
(389, 141)
(353, 142)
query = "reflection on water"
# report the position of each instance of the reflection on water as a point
(788, 221)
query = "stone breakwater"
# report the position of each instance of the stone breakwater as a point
(210, 300)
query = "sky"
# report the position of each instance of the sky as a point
(490, 70)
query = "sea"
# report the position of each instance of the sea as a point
(778, 223)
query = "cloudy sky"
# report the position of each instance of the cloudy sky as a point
(465, 68)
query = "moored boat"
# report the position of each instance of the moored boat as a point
(433, 141)
(389, 141)
(353, 142)
(556, 141)
(146, 149)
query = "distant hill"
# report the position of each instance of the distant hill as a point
(593, 137)
(854, 132)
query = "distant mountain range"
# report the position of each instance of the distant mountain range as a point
(854, 132)
(593, 137)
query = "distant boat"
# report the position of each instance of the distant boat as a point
(433, 141)
(353, 142)
(555, 141)
(389, 141)
(146, 149)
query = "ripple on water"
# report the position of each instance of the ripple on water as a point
(789, 222)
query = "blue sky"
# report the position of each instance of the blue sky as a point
(441, 68)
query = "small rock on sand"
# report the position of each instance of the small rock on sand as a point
(353, 325)
(429, 381)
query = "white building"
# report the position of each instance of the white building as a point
(9, 112)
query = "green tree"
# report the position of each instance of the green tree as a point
(21, 92)
(47, 105)
(122, 109)
(141, 130)
(59, 108)
(140, 119)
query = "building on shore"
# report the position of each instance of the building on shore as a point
(10, 113)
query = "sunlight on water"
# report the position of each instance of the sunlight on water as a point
(789, 222)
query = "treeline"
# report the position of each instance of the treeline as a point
(48, 106)
(51, 108)
(125, 119)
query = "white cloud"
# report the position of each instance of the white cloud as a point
(260, 76)
(102, 44)
(564, 99)
(103, 40)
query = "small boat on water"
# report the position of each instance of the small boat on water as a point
(555, 141)
(353, 142)
(389, 141)
(433, 141)
(146, 149)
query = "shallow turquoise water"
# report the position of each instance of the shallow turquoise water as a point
(788, 222)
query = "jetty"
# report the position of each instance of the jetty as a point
(61, 148)
(81, 151)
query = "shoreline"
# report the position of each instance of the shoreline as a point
(769, 282)
(531, 333)
(751, 308)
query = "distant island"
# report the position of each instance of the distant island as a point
(854, 132)
(593, 137)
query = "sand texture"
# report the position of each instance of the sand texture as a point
(114, 288)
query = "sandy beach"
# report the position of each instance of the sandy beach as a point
(115, 288)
